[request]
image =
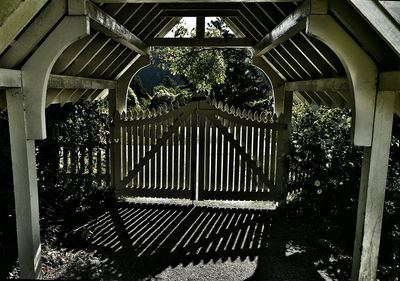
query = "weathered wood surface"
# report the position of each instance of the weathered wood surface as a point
(201, 148)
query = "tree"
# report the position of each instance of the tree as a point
(201, 68)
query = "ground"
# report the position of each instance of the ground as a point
(136, 241)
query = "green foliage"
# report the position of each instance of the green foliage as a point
(245, 85)
(164, 96)
(68, 196)
(326, 167)
(201, 68)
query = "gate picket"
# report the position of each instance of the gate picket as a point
(200, 151)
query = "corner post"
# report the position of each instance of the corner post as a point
(115, 141)
(23, 156)
(372, 191)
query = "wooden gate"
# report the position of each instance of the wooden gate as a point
(200, 151)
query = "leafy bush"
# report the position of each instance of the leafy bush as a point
(326, 167)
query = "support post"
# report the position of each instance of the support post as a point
(360, 68)
(115, 141)
(25, 187)
(372, 192)
(282, 175)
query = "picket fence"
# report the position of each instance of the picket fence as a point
(200, 150)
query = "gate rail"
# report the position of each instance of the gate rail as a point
(200, 150)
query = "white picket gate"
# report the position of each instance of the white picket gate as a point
(200, 151)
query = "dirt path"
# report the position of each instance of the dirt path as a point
(171, 242)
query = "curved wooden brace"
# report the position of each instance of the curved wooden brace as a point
(36, 71)
(125, 80)
(276, 81)
(359, 67)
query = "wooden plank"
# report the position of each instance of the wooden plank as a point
(153, 164)
(147, 148)
(158, 157)
(189, 1)
(237, 156)
(381, 22)
(274, 148)
(261, 157)
(140, 165)
(154, 193)
(200, 13)
(176, 160)
(124, 144)
(10, 78)
(182, 157)
(231, 176)
(135, 133)
(255, 158)
(240, 195)
(219, 173)
(201, 42)
(106, 24)
(213, 182)
(164, 148)
(246, 122)
(243, 139)
(188, 156)
(224, 167)
(171, 162)
(34, 34)
(193, 155)
(290, 26)
(15, 22)
(389, 81)
(318, 85)
(202, 158)
(200, 27)
(160, 142)
(207, 165)
(267, 157)
(74, 82)
(249, 143)
(372, 191)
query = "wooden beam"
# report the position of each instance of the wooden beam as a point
(236, 30)
(397, 105)
(37, 30)
(201, 13)
(10, 78)
(290, 26)
(389, 81)
(71, 82)
(17, 20)
(106, 24)
(371, 199)
(167, 28)
(319, 85)
(374, 13)
(201, 42)
(200, 27)
(189, 1)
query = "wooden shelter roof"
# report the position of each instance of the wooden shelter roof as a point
(122, 31)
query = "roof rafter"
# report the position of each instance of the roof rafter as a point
(319, 85)
(290, 26)
(103, 22)
(109, 26)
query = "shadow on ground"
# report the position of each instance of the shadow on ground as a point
(140, 241)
